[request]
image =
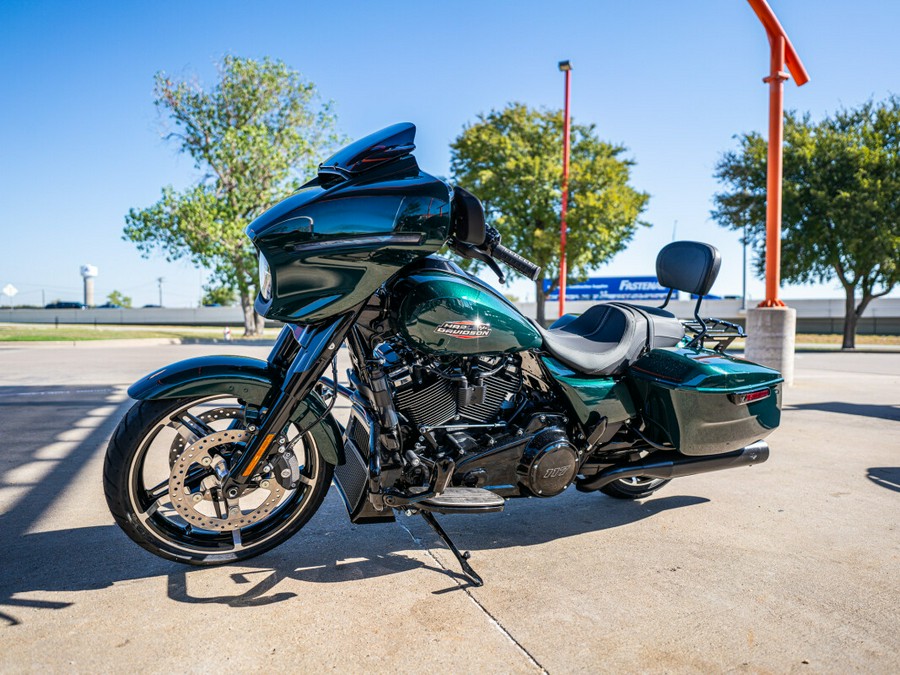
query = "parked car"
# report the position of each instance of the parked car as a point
(66, 305)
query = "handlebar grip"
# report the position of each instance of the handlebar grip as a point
(518, 263)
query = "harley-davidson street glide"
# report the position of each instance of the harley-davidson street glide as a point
(457, 401)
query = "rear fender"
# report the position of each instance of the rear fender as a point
(244, 378)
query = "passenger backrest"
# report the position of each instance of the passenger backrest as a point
(689, 266)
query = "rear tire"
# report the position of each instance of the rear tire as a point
(140, 455)
(633, 488)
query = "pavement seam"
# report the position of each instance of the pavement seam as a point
(491, 618)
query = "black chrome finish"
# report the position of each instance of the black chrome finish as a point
(443, 474)
(317, 348)
(463, 558)
(719, 332)
(361, 243)
(652, 444)
(668, 297)
(329, 382)
(285, 348)
(674, 465)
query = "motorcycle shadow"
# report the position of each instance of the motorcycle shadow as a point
(328, 550)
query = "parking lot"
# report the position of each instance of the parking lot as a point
(792, 565)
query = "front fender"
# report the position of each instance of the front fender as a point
(244, 378)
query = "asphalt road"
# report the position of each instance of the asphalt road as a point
(789, 566)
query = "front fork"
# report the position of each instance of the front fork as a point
(306, 354)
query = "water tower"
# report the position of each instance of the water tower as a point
(88, 272)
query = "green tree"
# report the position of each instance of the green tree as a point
(116, 298)
(512, 160)
(841, 204)
(218, 295)
(252, 135)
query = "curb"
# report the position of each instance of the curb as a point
(131, 342)
(89, 344)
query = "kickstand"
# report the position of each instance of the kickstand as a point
(463, 558)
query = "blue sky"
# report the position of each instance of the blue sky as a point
(81, 143)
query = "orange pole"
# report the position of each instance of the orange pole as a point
(774, 173)
(565, 203)
(783, 57)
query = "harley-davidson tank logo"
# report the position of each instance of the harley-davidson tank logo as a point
(464, 330)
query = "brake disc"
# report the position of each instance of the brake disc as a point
(186, 502)
(231, 412)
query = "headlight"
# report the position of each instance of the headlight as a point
(265, 279)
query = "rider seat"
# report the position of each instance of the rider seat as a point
(610, 336)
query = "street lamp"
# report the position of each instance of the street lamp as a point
(565, 67)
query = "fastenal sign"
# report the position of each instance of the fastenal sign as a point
(613, 288)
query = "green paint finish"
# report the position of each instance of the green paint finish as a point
(435, 304)
(702, 370)
(244, 378)
(685, 394)
(592, 398)
(328, 246)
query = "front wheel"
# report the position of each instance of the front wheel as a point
(633, 488)
(161, 482)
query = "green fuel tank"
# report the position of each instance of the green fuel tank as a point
(448, 314)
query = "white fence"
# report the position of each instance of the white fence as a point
(813, 316)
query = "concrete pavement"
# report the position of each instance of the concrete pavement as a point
(788, 566)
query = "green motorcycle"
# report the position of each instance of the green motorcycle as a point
(457, 401)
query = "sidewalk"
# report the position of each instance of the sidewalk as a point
(791, 565)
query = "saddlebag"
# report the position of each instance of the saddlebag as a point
(703, 402)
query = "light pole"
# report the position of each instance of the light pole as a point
(744, 273)
(160, 281)
(566, 67)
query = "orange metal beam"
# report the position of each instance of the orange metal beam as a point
(773, 27)
(782, 56)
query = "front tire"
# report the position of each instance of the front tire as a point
(144, 448)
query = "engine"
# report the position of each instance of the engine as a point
(479, 411)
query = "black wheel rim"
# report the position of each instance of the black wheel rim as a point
(169, 530)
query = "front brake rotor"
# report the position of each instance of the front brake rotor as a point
(186, 501)
(231, 412)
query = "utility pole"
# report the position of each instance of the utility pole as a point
(160, 281)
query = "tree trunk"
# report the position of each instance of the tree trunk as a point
(260, 323)
(539, 300)
(250, 326)
(853, 314)
(849, 320)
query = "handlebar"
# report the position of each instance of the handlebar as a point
(491, 251)
(521, 265)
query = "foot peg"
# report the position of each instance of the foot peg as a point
(463, 558)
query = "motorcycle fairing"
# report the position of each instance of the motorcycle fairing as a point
(331, 244)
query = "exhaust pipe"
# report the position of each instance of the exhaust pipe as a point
(675, 465)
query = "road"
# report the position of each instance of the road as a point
(792, 565)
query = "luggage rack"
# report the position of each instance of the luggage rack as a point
(717, 331)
